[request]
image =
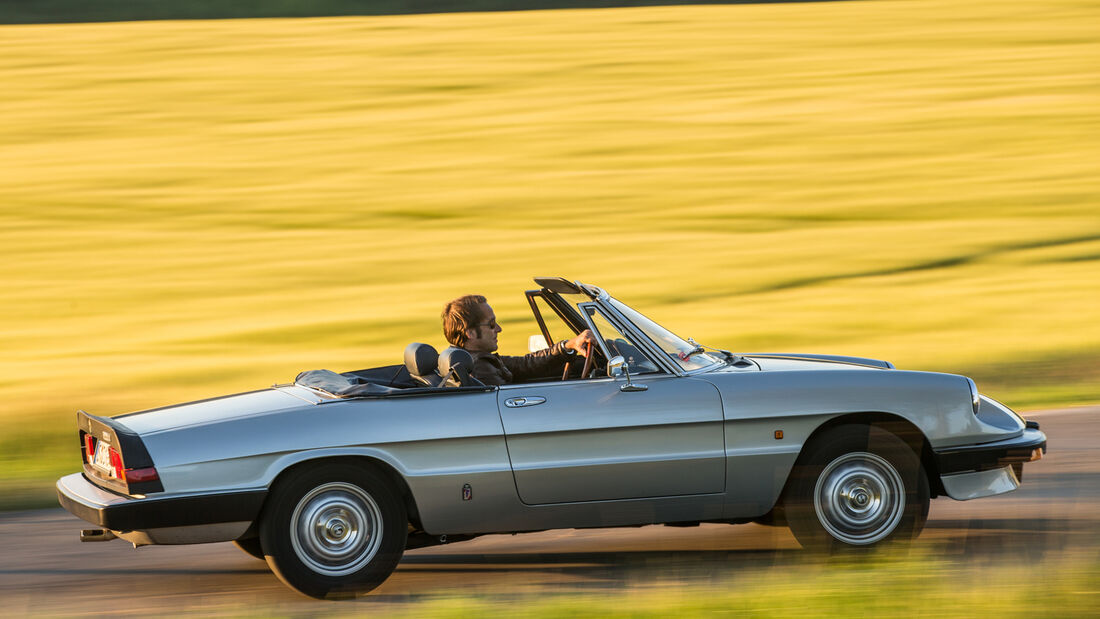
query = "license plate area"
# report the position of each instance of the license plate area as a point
(102, 460)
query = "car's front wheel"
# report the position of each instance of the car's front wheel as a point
(856, 486)
(333, 530)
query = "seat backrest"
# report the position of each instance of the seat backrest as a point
(455, 365)
(421, 360)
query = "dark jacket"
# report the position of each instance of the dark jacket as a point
(494, 369)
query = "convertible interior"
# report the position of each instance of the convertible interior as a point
(427, 371)
(424, 371)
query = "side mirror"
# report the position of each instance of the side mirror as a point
(616, 366)
(536, 343)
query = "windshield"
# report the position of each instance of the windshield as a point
(619, 344)
(689, 356)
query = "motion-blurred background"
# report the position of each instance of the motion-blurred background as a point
(195, 207)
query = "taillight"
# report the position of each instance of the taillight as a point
(89, 448)
(116, 463)
(138, 475)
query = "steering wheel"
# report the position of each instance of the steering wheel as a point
(590, 365)
(588, 358)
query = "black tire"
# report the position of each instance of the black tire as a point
(856, 487)
(251, 547)
(333, 530)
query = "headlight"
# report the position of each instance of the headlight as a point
(975, 399)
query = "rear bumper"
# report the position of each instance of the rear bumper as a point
(977, 471)
(116, 512)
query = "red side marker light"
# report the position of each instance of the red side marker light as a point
(89, 448)
(139, 475)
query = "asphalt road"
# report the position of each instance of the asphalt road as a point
(44, 569)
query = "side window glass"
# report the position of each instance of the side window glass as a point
(619, 344)
(554, 324)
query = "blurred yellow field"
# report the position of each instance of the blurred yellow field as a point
(195, 208)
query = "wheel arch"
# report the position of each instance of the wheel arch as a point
(895, 424)
(825, 516)
(377, 464)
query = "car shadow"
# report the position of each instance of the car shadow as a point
(969, 541)
(72, 11)
(567, 561)
(425, 576)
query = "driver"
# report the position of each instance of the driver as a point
(469, 322)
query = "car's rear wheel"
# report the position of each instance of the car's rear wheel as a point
(855, 487)
(251, 547)
(333, 530)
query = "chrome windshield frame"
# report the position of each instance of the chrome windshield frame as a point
(654, 350)
(679, 370)
(650, 347)
(627, 328)
(603, 302)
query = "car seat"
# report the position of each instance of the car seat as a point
(421, 360)
(455, 365)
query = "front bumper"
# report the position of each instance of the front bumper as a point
(976, 471)
(116, 512)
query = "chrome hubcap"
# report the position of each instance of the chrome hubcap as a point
(859, 498)
(336, 529)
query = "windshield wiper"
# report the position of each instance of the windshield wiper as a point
(684, 356)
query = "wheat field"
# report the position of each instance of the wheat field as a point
(192, 208)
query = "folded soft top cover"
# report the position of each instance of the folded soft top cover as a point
(339, 385)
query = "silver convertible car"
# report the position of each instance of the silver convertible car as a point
(331, 478)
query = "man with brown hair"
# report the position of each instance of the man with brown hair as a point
(469, 322)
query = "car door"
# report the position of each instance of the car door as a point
(588, 440)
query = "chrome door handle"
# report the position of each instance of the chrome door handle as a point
(524, 401)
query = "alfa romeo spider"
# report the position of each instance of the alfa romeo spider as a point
(332, 477)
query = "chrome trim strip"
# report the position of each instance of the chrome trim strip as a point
(640, 426)
(620, 501)
(813, 359)
(290, 389)
(586, 381)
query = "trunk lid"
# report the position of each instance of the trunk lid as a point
(217, 409)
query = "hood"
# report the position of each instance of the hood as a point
(213, 410)
(806, 361)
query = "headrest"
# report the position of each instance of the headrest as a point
(452, 357)
(421, 359)
(455, 365)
